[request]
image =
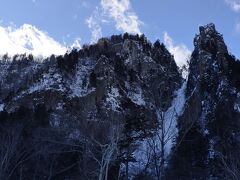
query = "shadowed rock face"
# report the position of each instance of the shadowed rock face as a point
(105, 75)
(209, 127)
(61, 116)
(123, 80)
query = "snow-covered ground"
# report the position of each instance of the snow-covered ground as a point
(173, 113)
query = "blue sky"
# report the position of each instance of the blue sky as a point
(174, 20)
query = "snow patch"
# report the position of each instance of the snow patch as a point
(237, 107)
(148, 59)
(54, 120)
(2, 107)
(75, 135)
(135, 95)
(112, 99)
(80, 84)
(211, 152)
(59, 106)
(206, 132)
(237, 103)
(50, 80)
(205, 111)
(173, 113)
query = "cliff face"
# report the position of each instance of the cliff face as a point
(208, 140)
(120, 109)
(121, 82)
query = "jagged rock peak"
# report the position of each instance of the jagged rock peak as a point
(210, 40)
(207, 29)
(211, 117)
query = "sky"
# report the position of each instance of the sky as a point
(33, 25)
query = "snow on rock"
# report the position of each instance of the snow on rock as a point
(148, 59)
(79, 87)
(237, 103)
(74, 135)
(54, 120)
(205, 110)
(136, 96)
(60, 106)
(112, 99)
(211, 152)
(50, 80)
(237, 107)
(1, 107)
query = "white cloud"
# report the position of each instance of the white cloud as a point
(234, 4)
(76, 44)
(28, 39)
(181, 52)
(120, 11)
(94, 26)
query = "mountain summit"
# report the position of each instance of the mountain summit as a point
(30, 40)
(208, 139)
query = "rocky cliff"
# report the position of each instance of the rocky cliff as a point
(208, 140)
(122, 81)
(120, 109)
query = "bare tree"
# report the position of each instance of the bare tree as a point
(51, 145)
(12, 152)
(230, 162)
(160, 144)
(105, 149)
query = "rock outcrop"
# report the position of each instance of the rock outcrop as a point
(208, 141)
(123, 80)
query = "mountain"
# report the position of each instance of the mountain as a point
(120, 109)
(30, 40)
(123, 83)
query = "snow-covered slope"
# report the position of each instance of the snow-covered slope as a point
(28, 39)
